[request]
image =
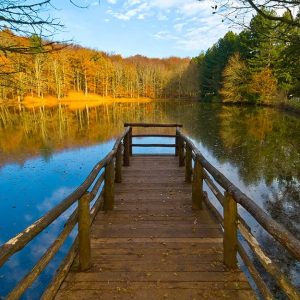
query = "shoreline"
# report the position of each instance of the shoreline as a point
(280, 106)
(81, 100)
(78, 100)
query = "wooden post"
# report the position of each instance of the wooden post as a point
(176, 142)
(130, 141)
(118, 177)
(84, 229)
(181, 152)
(188, 164)
(197, 186)
(109, 189)
(126, 150)
(230, 231)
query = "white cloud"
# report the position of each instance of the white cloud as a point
(201, 38)
(139, 12)
(95, 3)
(141, 16)
(186, 8)
(189, 23)
(165, 35)
(161, 17)
(133, 2)
(57, 195)
(179, 26)
(195, 8)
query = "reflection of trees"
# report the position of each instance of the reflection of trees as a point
(261, 143)
(284, 203)
(42, 130)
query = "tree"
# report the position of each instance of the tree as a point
(26, 18)
(264, 86)
(236, 80)
(266, 45)
(214, 62)
(267, 48)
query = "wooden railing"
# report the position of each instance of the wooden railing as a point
(105, 173)
(202, 171)
(152, 125)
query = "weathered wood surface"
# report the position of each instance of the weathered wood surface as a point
(153, 245)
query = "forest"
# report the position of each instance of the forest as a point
(261, 64)
(55, 70)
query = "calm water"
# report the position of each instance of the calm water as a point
(46, 152)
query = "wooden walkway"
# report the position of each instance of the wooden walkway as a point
(148, 230)
(153, 245)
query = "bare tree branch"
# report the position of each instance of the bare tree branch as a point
(240, 11)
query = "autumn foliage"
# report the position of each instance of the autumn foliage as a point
(56, 71)
(264, 85)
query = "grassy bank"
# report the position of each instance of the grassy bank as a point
(291, 105)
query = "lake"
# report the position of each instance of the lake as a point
(47, 151)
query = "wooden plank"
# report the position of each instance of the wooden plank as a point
(153, 145)
(169, 244)
(139, 232)
(155, 276)
(154, 135)
(156, 293)
(194, 240)
(151, 125)
(157, 226)
(94, 285)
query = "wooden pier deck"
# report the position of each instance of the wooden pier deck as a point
(153, 245)
(149, 230)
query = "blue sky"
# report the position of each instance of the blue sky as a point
(157, 28)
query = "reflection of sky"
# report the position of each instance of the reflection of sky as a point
(151, 150)
(30, 190)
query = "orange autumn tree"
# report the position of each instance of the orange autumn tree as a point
(264, 86)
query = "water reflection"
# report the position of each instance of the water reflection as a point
(45, 152)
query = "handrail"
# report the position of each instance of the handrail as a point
(130, 145)
(232, 222)
(275, 229)
(23, 238)
(151, 125)
(92, 181)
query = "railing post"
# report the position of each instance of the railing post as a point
(188, 164)
(181, 151)
(130, 141)
(176, 142)
(197, 186)
(126, 150)
(230, 231)
(109, 188)
(118, 176)
(84, 229)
